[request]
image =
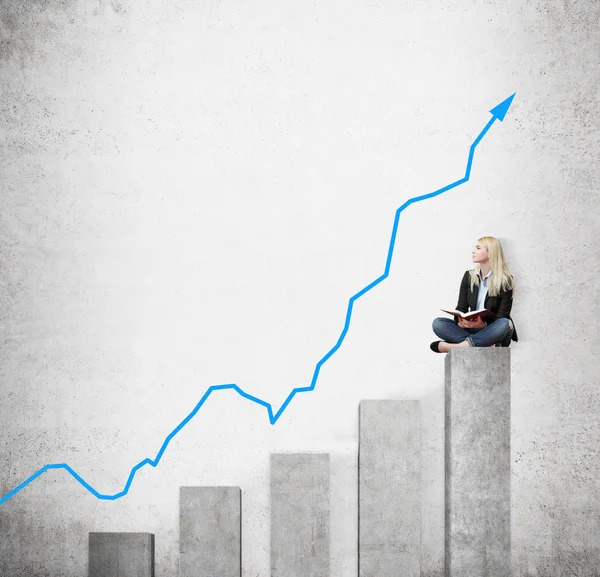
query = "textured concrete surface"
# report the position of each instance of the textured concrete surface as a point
(210, 531)
(389, 485)
(121, 555)
(478, 538)
(191, 191)
(300, 508)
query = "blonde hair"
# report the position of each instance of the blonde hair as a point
(500, 280)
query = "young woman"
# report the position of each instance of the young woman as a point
(488, 286)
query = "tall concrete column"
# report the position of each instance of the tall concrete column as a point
(121, 555)
(210, 532)
(300, 496)
(478, 462)
(389, 488)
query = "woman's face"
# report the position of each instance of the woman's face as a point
(480, 254)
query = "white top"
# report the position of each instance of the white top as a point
(483, 289)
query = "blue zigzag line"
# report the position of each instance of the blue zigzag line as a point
(498, 113)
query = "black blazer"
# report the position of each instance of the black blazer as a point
(499, 305)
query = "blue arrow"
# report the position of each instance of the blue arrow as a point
(498, 113)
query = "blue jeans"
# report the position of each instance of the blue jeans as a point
(494, 333)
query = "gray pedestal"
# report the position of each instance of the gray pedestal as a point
(478, 462)
(121, 555)
(210, 532)
(300, 515)
(389, 501)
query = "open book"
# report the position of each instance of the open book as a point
(485, 314)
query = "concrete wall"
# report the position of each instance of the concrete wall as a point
(191, 191)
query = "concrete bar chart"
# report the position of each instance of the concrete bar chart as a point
(477, 494)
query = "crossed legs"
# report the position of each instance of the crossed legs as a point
(454, 336)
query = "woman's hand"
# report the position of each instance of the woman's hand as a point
(476, 323)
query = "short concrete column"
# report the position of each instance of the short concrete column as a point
(478, 462)
(300, 497)
(121, 555)
(210, 532)
(389, 488)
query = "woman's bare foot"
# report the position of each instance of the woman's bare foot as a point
(444, 347)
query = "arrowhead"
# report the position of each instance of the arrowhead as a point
(500, 111)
